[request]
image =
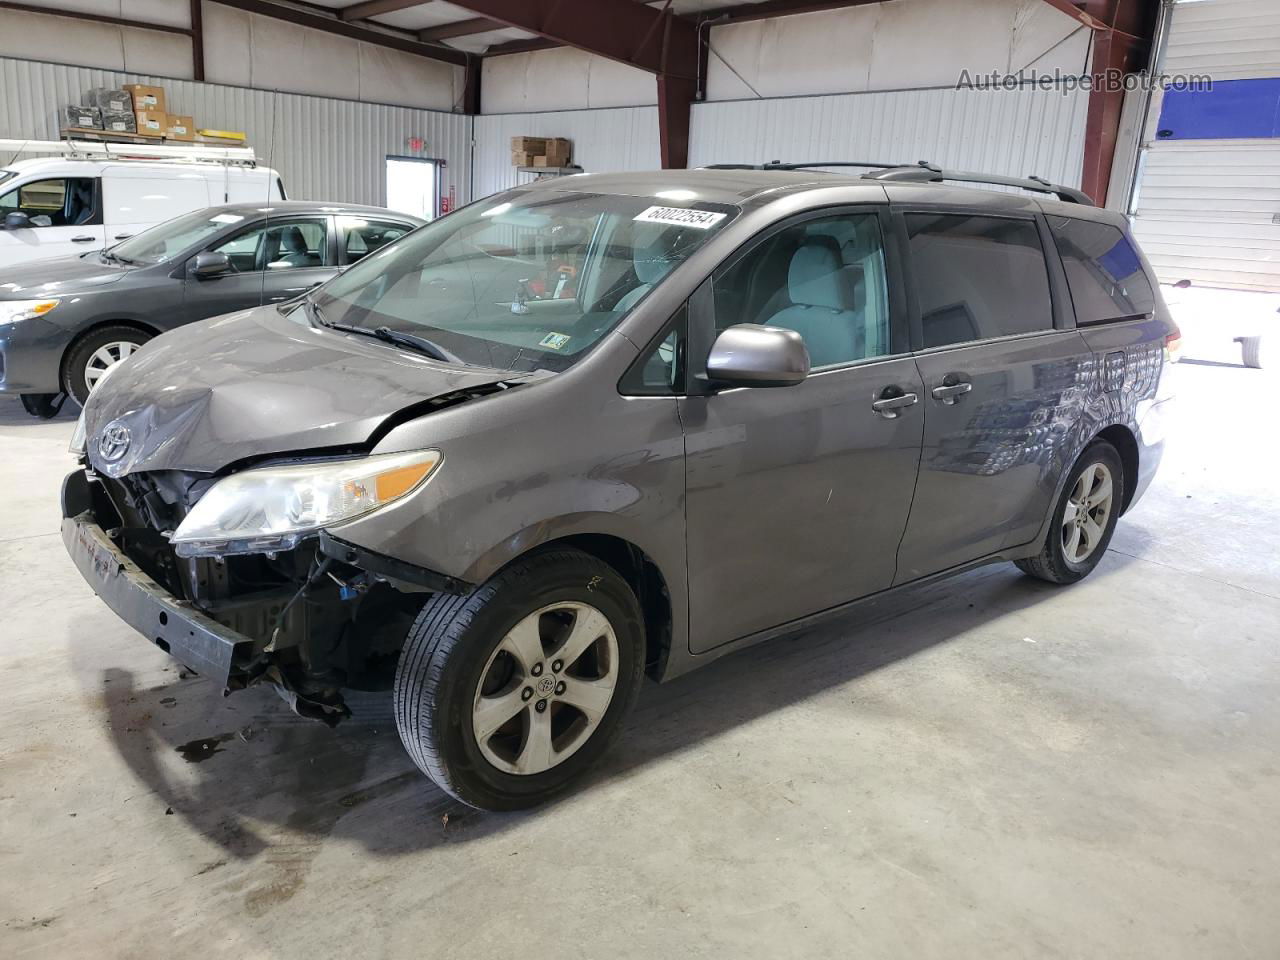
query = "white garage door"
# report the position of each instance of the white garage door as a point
(1209, 212)
(1209, 195)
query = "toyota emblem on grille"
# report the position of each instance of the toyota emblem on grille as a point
(114, 442)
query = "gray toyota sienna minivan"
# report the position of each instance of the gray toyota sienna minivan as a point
(615, 425)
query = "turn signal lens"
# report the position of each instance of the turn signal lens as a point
(1173, 346)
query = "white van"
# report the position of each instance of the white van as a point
(56, 206)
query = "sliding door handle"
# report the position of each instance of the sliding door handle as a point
(951, 392)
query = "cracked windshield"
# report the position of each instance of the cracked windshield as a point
(522, 281)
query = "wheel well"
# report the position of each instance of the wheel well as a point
(645, 580)
(1126, 445)
(135, 324)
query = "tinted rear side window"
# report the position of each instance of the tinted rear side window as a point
(978, 277)
(1104, 272)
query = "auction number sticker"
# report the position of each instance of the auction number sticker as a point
(681, 217)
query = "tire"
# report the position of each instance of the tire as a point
(1251, 351)
(458, 650)
(85, 351)
(46, 406)
(1053, 563)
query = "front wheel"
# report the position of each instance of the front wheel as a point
(94, 354)
(505, 696)
(1084, 518)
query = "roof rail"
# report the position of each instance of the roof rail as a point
(924, 172)
(778, 165)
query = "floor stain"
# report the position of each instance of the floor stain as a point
(197, 751)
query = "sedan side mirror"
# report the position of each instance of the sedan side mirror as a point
(16, 220)
(750, 355)
(208, 264)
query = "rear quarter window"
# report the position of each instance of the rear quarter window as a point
(1104, 272)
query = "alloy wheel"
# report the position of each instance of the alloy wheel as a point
(104, 358)
(546, 688)
(1088, 509)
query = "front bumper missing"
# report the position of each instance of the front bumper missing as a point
(173, 625)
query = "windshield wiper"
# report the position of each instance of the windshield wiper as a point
(387, 335)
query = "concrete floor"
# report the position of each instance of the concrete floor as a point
(989, 767)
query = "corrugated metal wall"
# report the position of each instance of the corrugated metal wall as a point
(325, 149)
(1230, 39)
(621, 138)
(1015, 132)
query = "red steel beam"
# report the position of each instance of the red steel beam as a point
(93, 17)
(197, 39)
(362, 11)
(621, 30)
(460, 28)
(768, 9)
(1121, 47)
(318, 21)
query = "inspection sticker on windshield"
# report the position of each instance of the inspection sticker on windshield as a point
(680, 217)
(554, 341)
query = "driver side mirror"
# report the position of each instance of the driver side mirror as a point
(16, 220)
(208, 264)
(751, 355)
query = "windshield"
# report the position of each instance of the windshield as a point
(164, 241)
(523, 280)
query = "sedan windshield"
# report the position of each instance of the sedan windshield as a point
(523, 280)
(164, 241)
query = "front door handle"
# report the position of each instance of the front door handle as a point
(951, 392)
(891, 400)
(83, 239)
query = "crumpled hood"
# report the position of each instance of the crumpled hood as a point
(58, 277)
(255, 383)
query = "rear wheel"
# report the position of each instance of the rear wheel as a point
(507, 695)
(94, 354)
(1084, 518)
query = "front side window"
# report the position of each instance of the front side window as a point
(978, 277)
(1104, 272)
(56, 202)
(823, 278)
(660, 370)
(523, 280)
(164, 241)
(276, 245)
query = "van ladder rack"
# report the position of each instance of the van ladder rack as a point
(72, 149)
(924, 172)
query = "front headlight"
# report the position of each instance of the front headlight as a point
(78, 438)
(274, 508)
(11, 310)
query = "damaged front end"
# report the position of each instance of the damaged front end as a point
(312, 620)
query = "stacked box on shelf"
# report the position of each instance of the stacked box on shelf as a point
(84, 117)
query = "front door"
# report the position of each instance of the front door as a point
(797, 496)
(272, 261)
(1002, 388)
(64, 218)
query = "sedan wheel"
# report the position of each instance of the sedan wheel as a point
(104, 358)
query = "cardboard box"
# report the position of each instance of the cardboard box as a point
(522, 159)
(82, 116)
(146, 98)
(109, 100)
(119, 123)
(179, 127)
(150, 123)
(529, 145)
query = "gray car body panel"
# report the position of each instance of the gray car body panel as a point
(155, 297)
(569, 455)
